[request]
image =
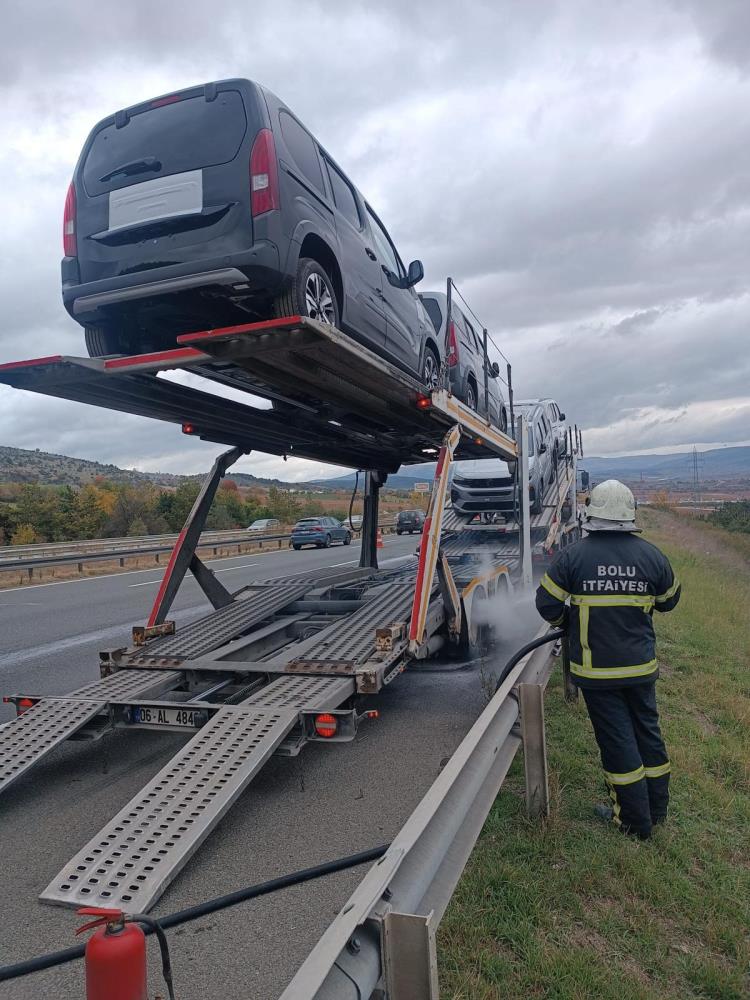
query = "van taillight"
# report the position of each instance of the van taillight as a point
(264, 176)
(452, 346)
(69, 223)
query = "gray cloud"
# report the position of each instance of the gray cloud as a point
(580, 168)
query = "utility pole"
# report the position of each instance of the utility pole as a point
(696, 478)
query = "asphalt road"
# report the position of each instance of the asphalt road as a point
(329, 801)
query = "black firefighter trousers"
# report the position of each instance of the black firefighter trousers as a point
(634, 758)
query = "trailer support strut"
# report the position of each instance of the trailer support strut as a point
(368, 556)
(183, 557)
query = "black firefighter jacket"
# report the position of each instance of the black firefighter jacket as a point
(614, 581)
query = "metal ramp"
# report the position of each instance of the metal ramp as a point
(132, 860)
(219, 627)
(345, 405)
(352, 641)
(31, 736)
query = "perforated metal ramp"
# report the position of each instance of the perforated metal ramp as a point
(219, 627)
(31, 736)
(353, 639)
(136, 855)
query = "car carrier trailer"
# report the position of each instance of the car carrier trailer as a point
(281, 662)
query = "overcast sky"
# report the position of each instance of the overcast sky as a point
(581, 168)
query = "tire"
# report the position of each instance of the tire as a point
(311, 294)
(430, 369)
(471, 396)
(536, 507)
(347, 538)
(327, 542)
(472, 642)
(398, 531)
(102, 341)
(296, 547)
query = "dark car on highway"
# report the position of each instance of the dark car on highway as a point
(409, 520)
(214, 206)
(319, 531)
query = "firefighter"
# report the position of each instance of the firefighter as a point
(604, 590)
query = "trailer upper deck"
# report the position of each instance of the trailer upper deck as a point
(333, 400)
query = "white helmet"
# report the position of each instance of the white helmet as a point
(611, 507)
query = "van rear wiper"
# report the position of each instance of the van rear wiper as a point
(141, 166)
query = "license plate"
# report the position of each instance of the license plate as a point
(160, 198)
(181, 718)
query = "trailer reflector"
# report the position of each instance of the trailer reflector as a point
(326, 725)
(424, 402)
(188, 428)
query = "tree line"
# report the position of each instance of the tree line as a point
(732, 516)
(33, 513)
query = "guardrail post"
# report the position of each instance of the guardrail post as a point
(410, 957)
(571, 689)
(531, 703)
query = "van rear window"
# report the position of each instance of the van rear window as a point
(184, 135)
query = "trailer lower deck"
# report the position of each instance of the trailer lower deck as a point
(280, 663)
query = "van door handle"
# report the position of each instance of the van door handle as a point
(370, 254)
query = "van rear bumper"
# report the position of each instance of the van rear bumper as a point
(257, 269)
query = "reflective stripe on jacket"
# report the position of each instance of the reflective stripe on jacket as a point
(613, 582)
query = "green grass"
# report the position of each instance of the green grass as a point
(569, 908)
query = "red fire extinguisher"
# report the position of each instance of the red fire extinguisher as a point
(115, 956)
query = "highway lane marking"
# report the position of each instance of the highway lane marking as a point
(128, 572)
(114, 631)
(229, 569)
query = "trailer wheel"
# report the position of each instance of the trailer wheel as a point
(472, 642)
(102, 340)
(310, 294)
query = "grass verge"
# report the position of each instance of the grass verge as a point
(571, 909)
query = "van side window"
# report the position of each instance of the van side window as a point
(302, 147)
(383, 243)
(343, 196)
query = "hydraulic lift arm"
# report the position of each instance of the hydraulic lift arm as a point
(429, 550)
(183, 557)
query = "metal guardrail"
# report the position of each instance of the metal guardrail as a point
(12, 553)
(384, 937)
(238, 538)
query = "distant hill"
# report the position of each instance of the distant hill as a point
(18, 465)
(715, 465)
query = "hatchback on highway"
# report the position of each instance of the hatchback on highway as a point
(487, 485)
(466, 359)
(214, 206)
(319, 531)
(408, 521)
(265, 524)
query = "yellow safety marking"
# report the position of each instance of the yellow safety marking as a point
(553, 588)
(583, 627)
(611, 600)
(658, 771)
(628, 778)
(670, 593)
(607, 673)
